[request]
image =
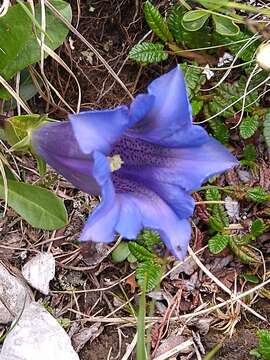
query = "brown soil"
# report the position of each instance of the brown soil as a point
(108, 343)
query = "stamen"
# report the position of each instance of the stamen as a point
(115, 162)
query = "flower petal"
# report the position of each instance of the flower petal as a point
(168, 170)
(196, 165)
(59, 148)
(157, 215)
(101, 224)
(98, 130)
(154, 213)
(169, 122)
(140, 107)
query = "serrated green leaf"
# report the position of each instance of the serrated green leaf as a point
(175, 23)
(38, 206)
(148, 53)
(121, 252)
(212, 194)
(194, 79)
(249, 152)
(248, 126)
(257, 228)
(150, 271)
(218, 243)
(140, 252)
(266, 128)
(227, 93)
(216, 224)
(244, 253)
(197, 106)
(219, 215)
(225, 26)
(194, 20)
(19, 42)
(156, 22)
(258, 195)
(245, 53)
(264, 344)
(220, 131)
(148, 239)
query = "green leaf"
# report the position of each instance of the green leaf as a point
(150, 271)
(194, 79)
(258, 195)
(121, 252)
(264, 344)
(197, 106)
(219, 215)
(257, 228)
(148, 239)
(156, 22)
(225, 26)
(237, 45)
(38, 206)
(244, 253)
(213, 194)
(249, 152)
(213, 4)
(19, 42)
(266, 128)
(227, 93)
(190, 39)
(218, 243)
(255, 352)
(251, 278)
(140, 253)
(194, 20)
(148, 53)
(17, 128)
(248, 126)
(27, 90)
(216, 224)
(220, 131)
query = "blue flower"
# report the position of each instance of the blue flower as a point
(144, 159)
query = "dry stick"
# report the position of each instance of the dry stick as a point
(167, 355)
(15, 95)
(91, 47)
(221, 285)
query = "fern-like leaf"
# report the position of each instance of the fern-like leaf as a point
(140, 253)
(248, 126)
(148, 53)
(220, 131)
(156, 22)
(194, 79)
(150, 272)
(218, 243)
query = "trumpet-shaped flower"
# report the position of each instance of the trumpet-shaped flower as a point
(144, 160)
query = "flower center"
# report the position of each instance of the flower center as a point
(115, 162)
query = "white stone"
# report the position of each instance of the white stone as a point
(37, 335)
(13, 296)
(39, 271)
(263, 56)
